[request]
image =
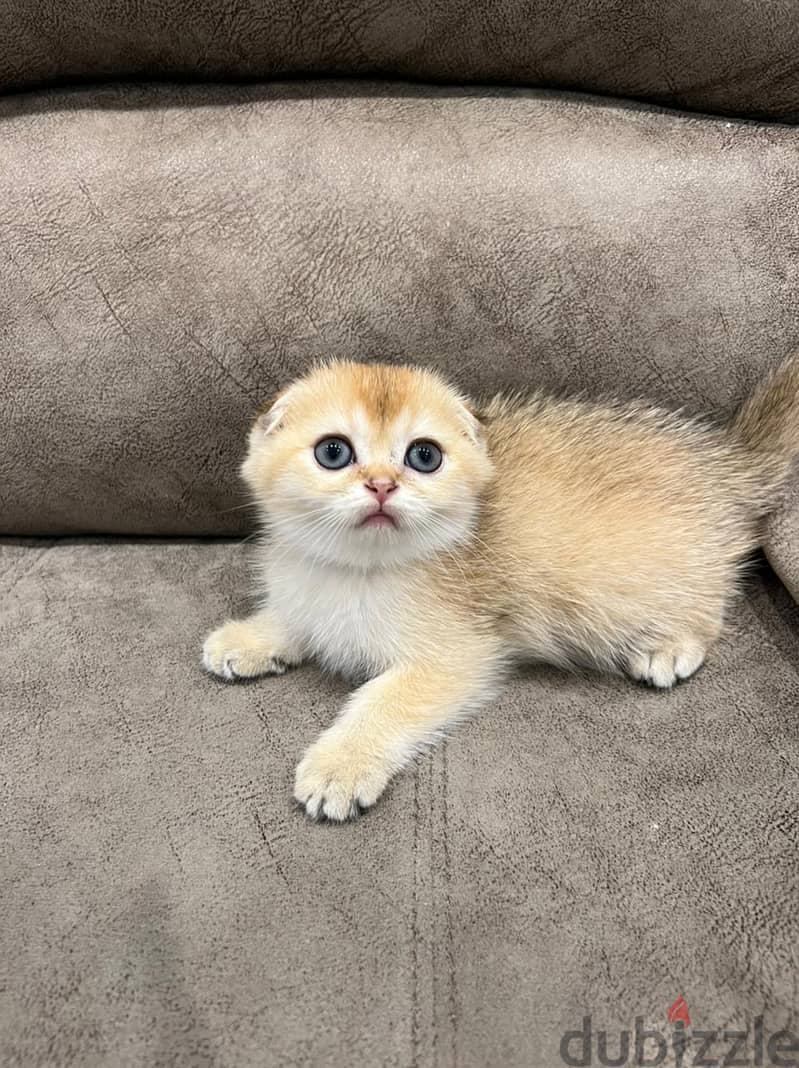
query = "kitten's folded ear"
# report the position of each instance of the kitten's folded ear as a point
(271, 416)
(471, 421)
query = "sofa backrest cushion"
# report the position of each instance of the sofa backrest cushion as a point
(170, 257)
(733, 56)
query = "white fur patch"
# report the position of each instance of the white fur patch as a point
(353, 622)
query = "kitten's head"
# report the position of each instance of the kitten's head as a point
(368, 465)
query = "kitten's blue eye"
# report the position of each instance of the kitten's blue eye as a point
(424, 456)
(333, 453)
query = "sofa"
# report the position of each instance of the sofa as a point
(197, 201)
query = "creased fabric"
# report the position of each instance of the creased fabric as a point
(171, 256)
(736, 57)
(583, 846)
(782, 539)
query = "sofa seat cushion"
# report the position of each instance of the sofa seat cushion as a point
(583, 846)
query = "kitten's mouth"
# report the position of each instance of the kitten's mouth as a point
(378, 519)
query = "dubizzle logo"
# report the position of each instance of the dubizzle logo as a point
(690, 1047)
(679, 1011)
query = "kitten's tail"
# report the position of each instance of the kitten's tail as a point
(768, 423)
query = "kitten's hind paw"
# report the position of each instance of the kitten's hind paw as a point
(238, 651)
(664, 666)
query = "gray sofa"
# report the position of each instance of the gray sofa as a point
(180, 234)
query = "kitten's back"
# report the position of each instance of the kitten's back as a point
(614, 520)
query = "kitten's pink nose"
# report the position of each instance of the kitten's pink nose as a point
(381, 487)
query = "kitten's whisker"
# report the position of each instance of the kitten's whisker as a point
(238, 507)
(436, 526)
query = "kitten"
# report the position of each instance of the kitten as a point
(425, 545)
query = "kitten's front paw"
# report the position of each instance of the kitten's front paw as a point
(336, 780)
(237, 651)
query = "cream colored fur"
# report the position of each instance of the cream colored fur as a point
(556, 530)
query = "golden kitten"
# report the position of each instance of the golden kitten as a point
(424, 544)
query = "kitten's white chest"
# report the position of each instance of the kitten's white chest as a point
(352, 623)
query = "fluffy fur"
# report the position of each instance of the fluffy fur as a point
(558, 530)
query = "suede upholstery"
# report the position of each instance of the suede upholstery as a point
(737, 57)
(170, 255)
(174, 256)
(584, 846)
(782, 539)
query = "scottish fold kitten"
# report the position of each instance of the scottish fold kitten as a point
(423, 545)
